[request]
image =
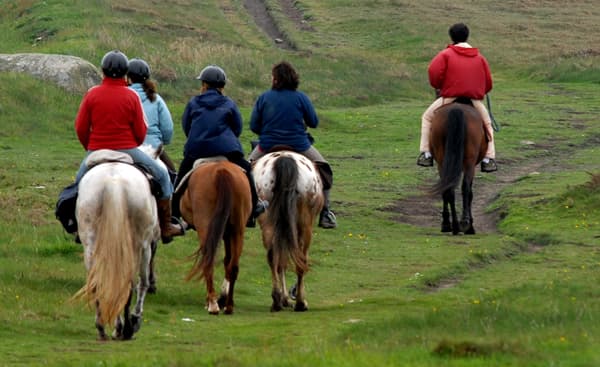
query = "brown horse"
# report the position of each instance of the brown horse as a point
(458, 143)
(291, 184)
(217, 202)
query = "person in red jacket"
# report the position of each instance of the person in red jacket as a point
(459, 71)
(111, 116)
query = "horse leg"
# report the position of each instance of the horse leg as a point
(301, 303)
(222, 301)
(232, 270)
(449, 198)
(152, 276)
(143, 286)
(304, 242)
(287, 300)
(466, 224)
(100, 324)
(123, 328)
(446, 226)
(276, 293)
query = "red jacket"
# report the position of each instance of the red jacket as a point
(111, 117)
(460, 72)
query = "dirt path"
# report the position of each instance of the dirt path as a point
(265, 21)
(424, 211)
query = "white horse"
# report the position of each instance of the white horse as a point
(292, 185)
(118, 227)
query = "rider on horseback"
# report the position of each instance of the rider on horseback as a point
(212, 124)
(280, 117)
(459, 71)
(158, 116)
(111, 117)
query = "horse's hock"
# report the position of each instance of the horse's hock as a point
(73, 74)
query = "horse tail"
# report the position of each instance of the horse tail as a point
(454, 152)
(283, 213)
(115, 260)
(206, 254)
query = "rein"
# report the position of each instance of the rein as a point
(495, 124)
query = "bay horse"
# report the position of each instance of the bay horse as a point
(292, 185)
(457, 143)
(218, 203)
(118, 228)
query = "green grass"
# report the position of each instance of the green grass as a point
(380, 292)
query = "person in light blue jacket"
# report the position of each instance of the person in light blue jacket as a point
(158, 116)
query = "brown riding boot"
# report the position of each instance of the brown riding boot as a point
(167, 229)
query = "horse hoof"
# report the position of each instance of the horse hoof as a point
(221, 301)
(152, 289)
(276, 307)
(293, 291)
(136, 323)
(228, 311)
(301, 307)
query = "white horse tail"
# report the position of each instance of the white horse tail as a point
(283, 212)
(115, 260)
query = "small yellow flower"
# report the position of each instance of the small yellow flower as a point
(563, 339)
(475, 301)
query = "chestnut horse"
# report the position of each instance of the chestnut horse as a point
(217, 202)
(291, 184)
(458, 143)
(118, 227)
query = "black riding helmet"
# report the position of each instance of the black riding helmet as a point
(138, 70)
(214, 76)
(114, 64)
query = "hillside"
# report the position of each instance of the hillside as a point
(364, 53)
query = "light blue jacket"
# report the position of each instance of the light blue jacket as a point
(158, 116)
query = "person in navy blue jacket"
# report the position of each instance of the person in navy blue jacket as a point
(281, 116)
(212, 124)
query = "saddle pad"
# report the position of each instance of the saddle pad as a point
(197, 163)
(106, 155)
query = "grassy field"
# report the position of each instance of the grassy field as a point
(381, 291)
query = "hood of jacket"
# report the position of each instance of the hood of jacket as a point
(140, 91)
(464, 51)
(211, 99)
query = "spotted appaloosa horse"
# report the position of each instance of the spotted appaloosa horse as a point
(292, 186)
(458, 143)
(118, 227)
(217, 201)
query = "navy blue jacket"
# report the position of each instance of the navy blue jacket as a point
(281, 117)
(212, 124)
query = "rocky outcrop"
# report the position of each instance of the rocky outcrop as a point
(72, 73)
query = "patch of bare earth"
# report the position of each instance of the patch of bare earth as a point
(265, 21)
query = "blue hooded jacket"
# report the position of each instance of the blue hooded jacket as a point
(158, 117)
(281, 117)
(212, 124)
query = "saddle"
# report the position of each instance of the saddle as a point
(323, 168)
(67, 199)
(197, 163)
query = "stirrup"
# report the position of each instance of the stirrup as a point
(489, 166)
(183, 225)
(424, 161)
